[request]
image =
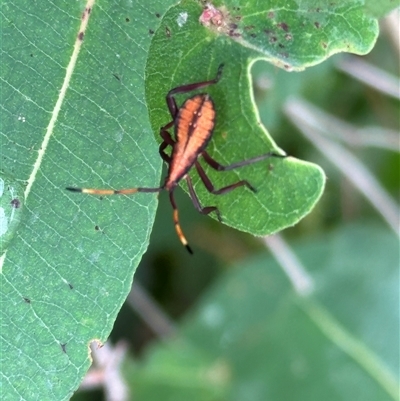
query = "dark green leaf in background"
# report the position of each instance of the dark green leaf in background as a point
(380, 8)
(254, 338)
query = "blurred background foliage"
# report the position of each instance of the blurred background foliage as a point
(345, 246)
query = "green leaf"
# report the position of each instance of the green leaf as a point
(294, 36)
(179, 365)
(70, 263)
(184, 51)
(260, 340)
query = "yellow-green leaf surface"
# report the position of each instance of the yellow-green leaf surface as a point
(74, 113)
(188, 49)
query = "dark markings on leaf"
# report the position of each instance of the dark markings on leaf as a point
(284, 26)
(253, 35)
(158, 15)
(81, 35)
(27, 300)
(71, 287)
(234, 34)
(281, 45)
(324, 45)
(64, 347)
(317, 25)
(127, 19)
(167, 32)
(151, 32)
(97, 228)
(15, 203)
(86, 12)
(116, 77)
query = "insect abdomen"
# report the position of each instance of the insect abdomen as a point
(194, 126)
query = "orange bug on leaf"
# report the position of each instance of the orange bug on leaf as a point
(193, 124)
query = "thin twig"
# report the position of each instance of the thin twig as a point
(391, 24)
(303, 116)
(301, 281)
(142, 303)
(370, 75)
(106, 373)
(338, 129)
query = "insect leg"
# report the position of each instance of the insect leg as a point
(219, 167)
(171, 102)
(178, 228)
(210, 187)
(196, 202)
(167, 141)
(166, 136)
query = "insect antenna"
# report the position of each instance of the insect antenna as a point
(129, 191)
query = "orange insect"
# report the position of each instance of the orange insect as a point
(194, 124)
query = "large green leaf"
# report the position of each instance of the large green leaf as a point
(69, 267)
(74, 113)
(253, 337)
